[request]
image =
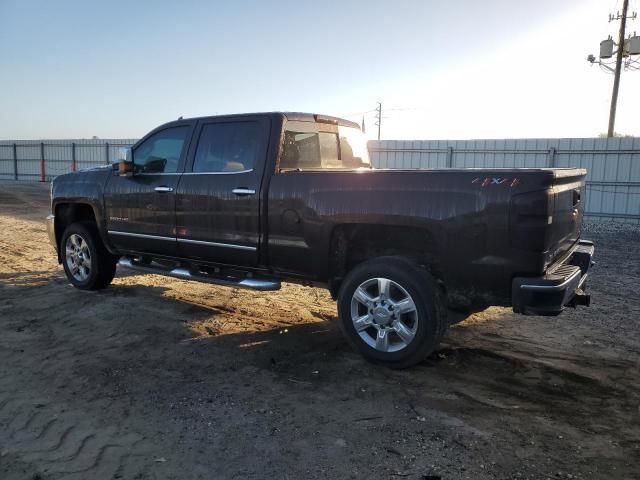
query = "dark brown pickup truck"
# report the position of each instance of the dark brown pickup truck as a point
(251, 200)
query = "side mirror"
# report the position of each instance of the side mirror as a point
(123, 163)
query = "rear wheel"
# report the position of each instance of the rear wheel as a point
(391, 311)
(87, 263)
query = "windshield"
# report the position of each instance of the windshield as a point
(313, 146)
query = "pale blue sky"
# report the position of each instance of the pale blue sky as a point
(465, 69)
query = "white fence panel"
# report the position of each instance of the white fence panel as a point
(39, 160)
(613, 164)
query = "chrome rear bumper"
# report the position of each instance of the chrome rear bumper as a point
(564, 286)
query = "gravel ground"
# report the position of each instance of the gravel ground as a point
(157, 378)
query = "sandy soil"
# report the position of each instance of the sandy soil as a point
(157, 378)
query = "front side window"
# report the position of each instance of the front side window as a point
(308, 147)
(227, 147)
(160, 153)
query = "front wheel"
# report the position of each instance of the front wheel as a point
(391, 311)
(86, 261)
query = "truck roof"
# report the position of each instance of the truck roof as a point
(314, 117)
(297, 116)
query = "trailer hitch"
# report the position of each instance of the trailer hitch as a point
(580, 298)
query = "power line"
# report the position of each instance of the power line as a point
(357, 114)
(379, 118)
(616, 81)
(627, 48)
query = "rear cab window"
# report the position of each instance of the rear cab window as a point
(322, 146)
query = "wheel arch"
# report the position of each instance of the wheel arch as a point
(352, 244)
(69, 212)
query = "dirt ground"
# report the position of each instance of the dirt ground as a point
(158, 378)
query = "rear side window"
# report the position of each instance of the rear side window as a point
(227, 147)
(310, 150)
(311, 146)
(160, 153)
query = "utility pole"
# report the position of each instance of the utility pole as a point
(616, 80)
(379, 115)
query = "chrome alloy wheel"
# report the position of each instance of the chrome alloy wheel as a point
(384, 314)
(78, 257)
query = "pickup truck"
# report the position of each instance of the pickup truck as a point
(252, 200)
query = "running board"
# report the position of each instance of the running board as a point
(186, 274)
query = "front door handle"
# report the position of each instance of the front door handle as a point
(163, 189)
(243, 191)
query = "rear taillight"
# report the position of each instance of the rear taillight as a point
(531, 215)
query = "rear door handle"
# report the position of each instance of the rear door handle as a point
(163, 189)
(243, 191)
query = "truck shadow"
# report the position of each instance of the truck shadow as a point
(175, 339)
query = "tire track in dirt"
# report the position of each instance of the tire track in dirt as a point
(36, 432)
(50, 443)
(32, 417)
(36, 435)
(64, 444)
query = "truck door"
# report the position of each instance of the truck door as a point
(140, 209)
(218, 198)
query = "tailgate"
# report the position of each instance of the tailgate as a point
(567, 212)
(548, 220)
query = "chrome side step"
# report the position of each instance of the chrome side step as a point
(185, 274)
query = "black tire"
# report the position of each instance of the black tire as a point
(102, 264)
(429, 320)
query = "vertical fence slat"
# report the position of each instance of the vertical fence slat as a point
(15, 161)
(42, 165)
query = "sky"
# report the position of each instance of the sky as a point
(442, 70)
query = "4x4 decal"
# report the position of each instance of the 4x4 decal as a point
(487, 181)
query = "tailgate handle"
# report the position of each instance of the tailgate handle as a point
(576, 197)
